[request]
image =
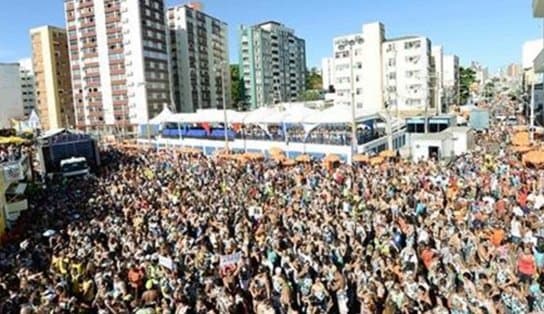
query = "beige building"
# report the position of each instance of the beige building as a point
(54, 101)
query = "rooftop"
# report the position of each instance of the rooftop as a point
(403, 38)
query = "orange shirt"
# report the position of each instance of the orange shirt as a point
(497, 235)
(526, 264)
(427, 257)
(135, 276)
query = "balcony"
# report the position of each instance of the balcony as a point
(538, 8)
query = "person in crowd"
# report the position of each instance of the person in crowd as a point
(163, 232)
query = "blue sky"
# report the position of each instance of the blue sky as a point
(489, 31)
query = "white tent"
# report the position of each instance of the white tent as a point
(334, 114)
(297, 114)
(214, 116)
(162, 117)
(257, 115)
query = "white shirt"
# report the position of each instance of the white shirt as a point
(515, 228)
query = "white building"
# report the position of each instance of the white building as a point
(530, 50)
(358, 67)
(28, 89)
(327, 73)
(11, 104)
(437, 53)
(374, 70)
(119, 62)
(199, 59)
(451, 80)
(408, 73)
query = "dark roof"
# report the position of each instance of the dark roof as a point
(402, 38)
(269, 22)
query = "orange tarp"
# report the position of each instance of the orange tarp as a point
(303, 158)
(521, 139)
(254, 156)
(535, 158)
(376, 161)
(388, 154)
(288, 162)
(275, 151)
(521, 149)
(361, 158)
(332, 158)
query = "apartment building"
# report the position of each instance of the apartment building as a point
(273, 63)
(451, 80)
(27, 85)
(119, 60)
(50, 61)
(327, 73)
(11, 104)
(373, 71)
(199, 59)
(408, 73)
(437, 54)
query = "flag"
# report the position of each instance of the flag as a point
(206, 126)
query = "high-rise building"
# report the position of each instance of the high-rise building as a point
(273, 63)
(437, 54)
(408, 73)
(27, 85)
(199, 59)
(373, 71)
(451, 80)
(54, 100)
(513, 71)
(327, 73)
(11, 103)
(119, 59)
(357, 68)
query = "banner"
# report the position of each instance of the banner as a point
(12, 172)
(226, 261)
(166, 262)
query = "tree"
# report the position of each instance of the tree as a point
(314, 81)
(467, 77)
(310, 95)
(238, 90)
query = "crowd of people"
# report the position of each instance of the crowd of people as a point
(11, 152)
(162, 232)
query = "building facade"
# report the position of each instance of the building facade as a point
(273, 63)
(11, 104)
(50, 61)
(451, 80)
(357, 68)
(199, 59)
(379, 73)
(408, 74)
(27, 86)
(327, 74)
(119, 60)
(437, 53)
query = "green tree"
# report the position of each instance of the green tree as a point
(467, 77)
(238, 88)
(314, 81)
(310, 95)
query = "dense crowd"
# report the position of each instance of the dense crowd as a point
(161, 232)
(11, 152)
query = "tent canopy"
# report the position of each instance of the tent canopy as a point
(162, 117)
(266, 115)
